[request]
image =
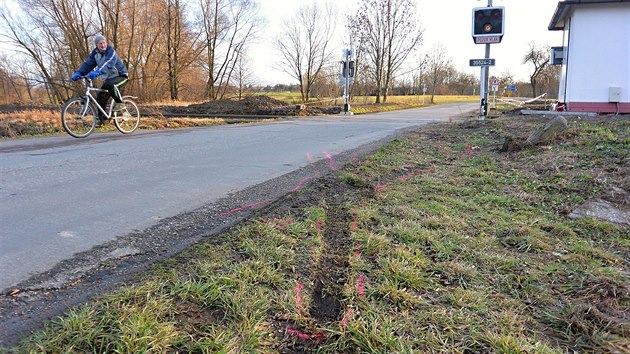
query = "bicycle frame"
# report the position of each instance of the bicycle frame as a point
(89, 88)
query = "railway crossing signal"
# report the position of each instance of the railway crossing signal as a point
(488, 24)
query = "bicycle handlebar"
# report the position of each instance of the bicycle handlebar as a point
(86, 78)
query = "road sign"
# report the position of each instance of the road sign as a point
(495, 81)
(488, 40)
(495, 88)
(481, 62)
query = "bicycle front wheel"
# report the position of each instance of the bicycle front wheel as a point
(128, 118)
(78, 117)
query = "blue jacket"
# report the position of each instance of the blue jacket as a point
(108, 63)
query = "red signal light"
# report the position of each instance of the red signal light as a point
(488, 22)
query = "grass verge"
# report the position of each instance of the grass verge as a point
(435, 243)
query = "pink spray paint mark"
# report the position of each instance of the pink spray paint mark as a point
(241, 208)
(299, 334)
(380, 187)
(410, 175)
(299, 185)
(355, 158)
(319, 225)
(357, 248)
(303, 180)
(303, 336)
(346, 319)
(282, 224)
(298, 296)
(331, 162)
(468, 150)
(361, 286)
(309, 157)
(353, 226)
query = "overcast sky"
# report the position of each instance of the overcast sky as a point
(448, 22)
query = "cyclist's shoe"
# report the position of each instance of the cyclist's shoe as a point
(118, 107)
(101, 121)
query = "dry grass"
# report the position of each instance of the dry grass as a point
(29, 123)
(38, 122)
(46, 122)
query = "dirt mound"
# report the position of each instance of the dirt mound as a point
(248, 105)
(251, 105)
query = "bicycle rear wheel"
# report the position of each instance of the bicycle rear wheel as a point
(128, 118)
(78, 117)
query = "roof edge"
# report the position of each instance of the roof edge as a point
(557, 20)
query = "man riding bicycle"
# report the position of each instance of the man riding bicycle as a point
(104, 61)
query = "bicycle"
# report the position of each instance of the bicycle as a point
(79, 115)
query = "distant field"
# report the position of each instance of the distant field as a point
(414, 100)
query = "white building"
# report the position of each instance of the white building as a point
(596, 55)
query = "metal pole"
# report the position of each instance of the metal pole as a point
(346, 86)
(483, 92)
(482, 89)
(487, 67)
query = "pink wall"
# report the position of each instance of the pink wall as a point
(598, 107)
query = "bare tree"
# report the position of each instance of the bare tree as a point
(391, 32)
(156, 39)
(9, 82)
(143, 49)
(539, 57)
(182, 48)
(549, 80)
(242, 75)
(439, 68)
(418, 74)
(228, 26)
(304, 45)
(33, 38)
(464, 83)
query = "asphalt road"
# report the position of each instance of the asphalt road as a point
(60, 196)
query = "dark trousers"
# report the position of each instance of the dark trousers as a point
(113, 86)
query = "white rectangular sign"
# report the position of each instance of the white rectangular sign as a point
(488, 40)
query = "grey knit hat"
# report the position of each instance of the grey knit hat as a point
(98, 39)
